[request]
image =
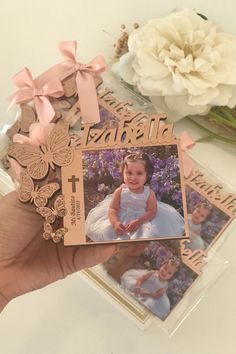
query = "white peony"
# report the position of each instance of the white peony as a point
(182, 63)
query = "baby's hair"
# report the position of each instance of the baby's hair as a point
(139, 156)
(204, 205)
(173, 261)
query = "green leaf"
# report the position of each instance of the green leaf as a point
(212, 135)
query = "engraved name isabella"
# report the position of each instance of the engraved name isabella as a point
(150, 131)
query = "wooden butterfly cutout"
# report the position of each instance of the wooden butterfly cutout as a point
(74, 115)
(39, 195)
(50, 234)
(23, 124)
(69, 86)
(38, 160)
(59, 210)
(60, 106)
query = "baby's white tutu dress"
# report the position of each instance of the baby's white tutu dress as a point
(167, 222)
(160, 307)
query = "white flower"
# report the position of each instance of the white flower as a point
(182, 63)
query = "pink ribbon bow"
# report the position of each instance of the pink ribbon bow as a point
(186, 143)
(29, 91)
(38, 134)
(84, 79)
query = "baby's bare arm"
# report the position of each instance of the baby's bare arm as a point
(155, 295)
(113, 213)
(151, 208)
(114, 207)
(144, 277)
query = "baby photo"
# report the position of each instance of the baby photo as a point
(133, 194)
(152, 273)
(206, 221)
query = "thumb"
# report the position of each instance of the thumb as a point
(89, 256)
(73, 259)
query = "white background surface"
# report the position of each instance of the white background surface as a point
(70, 317)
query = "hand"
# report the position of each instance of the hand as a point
(144, 292)
(133, 225)
(137, 290)
(27, 261)
(119, 228)
(160, 292)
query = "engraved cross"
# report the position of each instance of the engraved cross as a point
(73, 180)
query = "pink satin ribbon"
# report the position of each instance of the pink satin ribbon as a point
(29, 91)
(84, 79)
(38, 134)
(186, 143)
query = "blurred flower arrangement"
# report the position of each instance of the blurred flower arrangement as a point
(185, 67)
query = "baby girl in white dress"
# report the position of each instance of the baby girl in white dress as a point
(200, 213)
(132, 211)
(150, 286)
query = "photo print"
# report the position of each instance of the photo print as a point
(206, 220)
(112, 185)
(153, 274)
(130, 186)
